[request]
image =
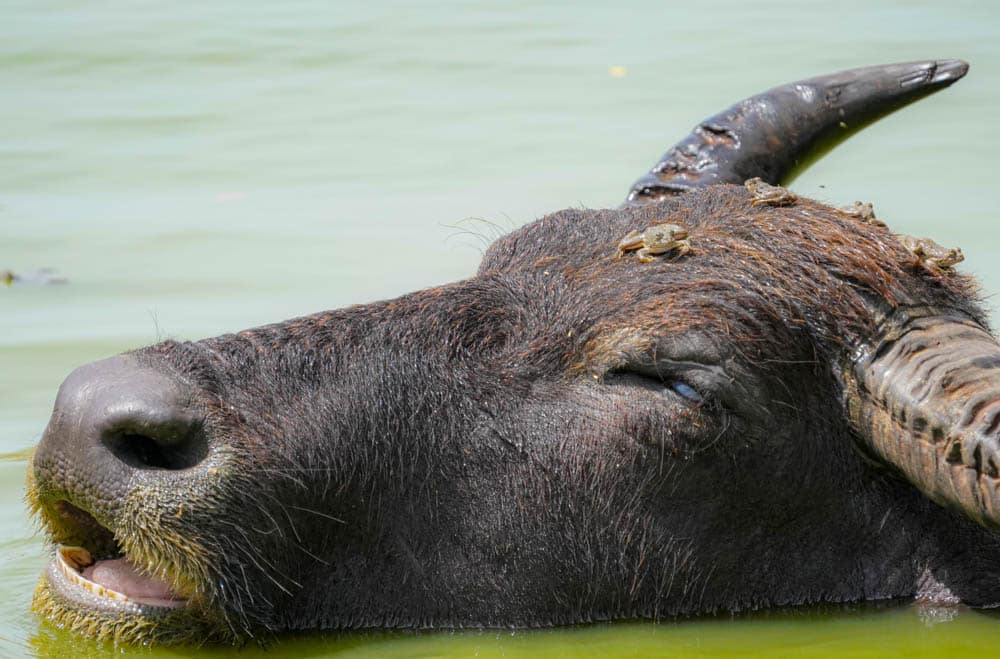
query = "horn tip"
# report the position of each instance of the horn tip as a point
(947, 71)
(924, 76)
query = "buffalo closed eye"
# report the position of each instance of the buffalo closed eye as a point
(686, 391)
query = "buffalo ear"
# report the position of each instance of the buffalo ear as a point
(777, 133)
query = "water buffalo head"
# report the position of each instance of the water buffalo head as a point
(716, 397)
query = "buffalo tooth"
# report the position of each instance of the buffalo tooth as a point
(76, 557)
(72, 560)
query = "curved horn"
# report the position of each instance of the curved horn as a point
(927, 402)
(773, 134)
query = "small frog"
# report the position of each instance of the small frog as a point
(864, 212)
(933, 257)
(655, 240)
(766, 194)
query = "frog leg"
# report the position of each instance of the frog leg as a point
(632, 240)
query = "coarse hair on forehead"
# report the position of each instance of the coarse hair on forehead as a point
(768, 269)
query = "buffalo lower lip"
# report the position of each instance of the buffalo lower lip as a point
(71, 563)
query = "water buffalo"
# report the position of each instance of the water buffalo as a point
(715, 397)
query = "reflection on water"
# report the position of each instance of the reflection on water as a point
(203, 167)
(861, 632)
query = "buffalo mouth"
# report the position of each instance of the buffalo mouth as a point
(114, 583)
(94, 587)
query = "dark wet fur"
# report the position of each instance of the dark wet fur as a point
(483, 454)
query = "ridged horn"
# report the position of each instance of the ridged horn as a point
(776, 133)
(927, 403)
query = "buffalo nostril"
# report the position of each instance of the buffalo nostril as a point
(117, 413)
(116, 425)
(154, 442)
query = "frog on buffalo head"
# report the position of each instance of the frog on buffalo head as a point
(792, 411)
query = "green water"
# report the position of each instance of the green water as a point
(195, 168)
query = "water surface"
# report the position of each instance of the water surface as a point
(196, 168)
